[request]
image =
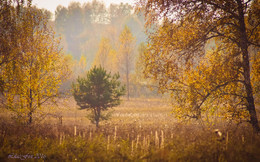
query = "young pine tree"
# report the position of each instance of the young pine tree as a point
(98, 91)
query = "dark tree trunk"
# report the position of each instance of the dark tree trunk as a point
(97, 117)
(30, 117)
(97, 123)
(246, 69)
(249, 92)
(30, 108)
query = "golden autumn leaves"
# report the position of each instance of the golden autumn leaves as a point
(201, 52)
(118, 59)
(34, 75)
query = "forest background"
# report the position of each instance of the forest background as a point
(90, 34)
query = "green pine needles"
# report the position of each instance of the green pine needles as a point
(98, 91)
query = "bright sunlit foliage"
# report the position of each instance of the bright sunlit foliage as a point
(106, 56)
(33, 78)
(199, 51)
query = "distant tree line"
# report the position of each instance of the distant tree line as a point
(108, 37)
(83, 26)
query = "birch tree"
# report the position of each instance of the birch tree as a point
(125, 54)
(179, 57)
(34, 78)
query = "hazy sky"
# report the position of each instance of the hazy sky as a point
(52, 4)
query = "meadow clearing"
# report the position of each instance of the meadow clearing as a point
(140, 129)
(203, 56)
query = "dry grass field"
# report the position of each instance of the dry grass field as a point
(140, 129)
(139, 111)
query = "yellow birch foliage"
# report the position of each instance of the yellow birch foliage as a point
(199, 79)
(200, 82)
(35, 77)
(82, 64)
(126, 55)
(256, 76)
(106, 56)
(211, 87)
